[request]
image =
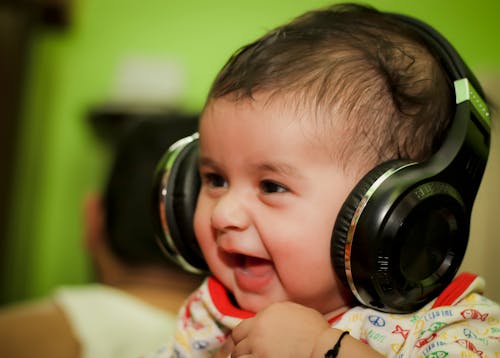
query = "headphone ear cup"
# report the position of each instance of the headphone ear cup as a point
(346, 214)
(177, 187)
(400, 236)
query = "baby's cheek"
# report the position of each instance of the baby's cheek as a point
(201, 221)
(309, 272)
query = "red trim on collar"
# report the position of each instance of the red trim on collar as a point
(222, 302)
(336, 318)
(454, 289)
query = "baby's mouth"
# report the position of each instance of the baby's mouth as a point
(253, 273)
(255, 266)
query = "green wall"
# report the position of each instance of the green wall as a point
(70, 72)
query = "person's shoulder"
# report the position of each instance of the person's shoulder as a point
(31, 328)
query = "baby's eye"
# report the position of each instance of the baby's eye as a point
(269, 186)
(214, 180)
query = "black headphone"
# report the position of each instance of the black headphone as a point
(402, 233)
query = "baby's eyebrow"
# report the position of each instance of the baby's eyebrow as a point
(206, 161)
(269, 167)
(279, 168)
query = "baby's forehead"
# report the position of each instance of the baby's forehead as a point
(324, 127)
(284, 106)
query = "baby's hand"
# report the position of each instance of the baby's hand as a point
(281, 330)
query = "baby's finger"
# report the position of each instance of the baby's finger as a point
(242, 349)
(241, 331)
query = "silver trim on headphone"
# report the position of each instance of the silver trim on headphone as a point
(172, 251)
(354, 222)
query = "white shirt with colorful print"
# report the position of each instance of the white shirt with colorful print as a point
(460, 322)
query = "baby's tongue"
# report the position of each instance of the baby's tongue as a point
(256, 266)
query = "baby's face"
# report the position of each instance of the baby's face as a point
(269, 197)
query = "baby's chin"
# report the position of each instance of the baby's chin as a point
(253, 302)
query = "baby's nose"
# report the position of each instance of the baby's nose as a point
(229, 213)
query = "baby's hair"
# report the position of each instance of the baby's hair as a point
(355, 62)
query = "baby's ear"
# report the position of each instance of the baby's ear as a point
(93, 215)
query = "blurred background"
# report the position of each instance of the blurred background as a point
(73, 71)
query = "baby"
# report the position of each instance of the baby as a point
(292, 123)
